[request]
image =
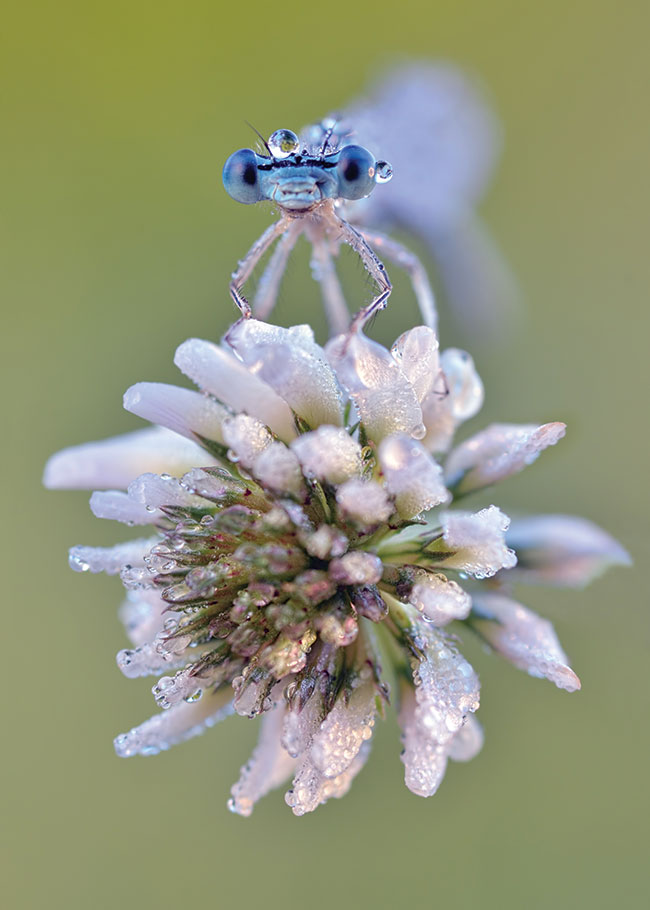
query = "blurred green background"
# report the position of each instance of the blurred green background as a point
(118, 242)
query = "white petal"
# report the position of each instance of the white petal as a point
(524, 638)
(497, 452)
(466, 392)
(456, 396)
(269, 766)
(438, 599)
(425, 760)
(416, 351)
(218, 372)
(111, 559)
(446, 690)
(304, 733)
(143, 614)
(300, 726)
(385, 399)
(364, 501)
(113, 463)
(310, 788)
(174, 726)
(478, 542)
(246, 437)
(562, 550)
(292, 364)
(468, 742)
(185, 412)
(146, 661)
(412, 476)
(160, 655)
(347, 726)
(440, 424)
(277, 468)
(328, 454)
(118, 506)
(158, 490)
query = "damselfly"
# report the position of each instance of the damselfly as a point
(433, 126)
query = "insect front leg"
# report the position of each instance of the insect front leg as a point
(407, 260)
(375, 268)
(246, 265)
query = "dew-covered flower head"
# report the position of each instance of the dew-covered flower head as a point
(307, 559)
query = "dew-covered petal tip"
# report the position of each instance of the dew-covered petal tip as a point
(384, 397)
(178, 724)
(411, 475)
(475, 542)
(219, 372)
(329, 454)
(293, 365)
(113, 463)
(562, 550)
(523, 638)
(497, 452)
(184, 411)
(268, 767)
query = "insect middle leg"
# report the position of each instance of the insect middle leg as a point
(407, 260)
(268, 288)
(323, 270)
(246, 265)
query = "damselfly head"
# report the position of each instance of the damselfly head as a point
(298, 180)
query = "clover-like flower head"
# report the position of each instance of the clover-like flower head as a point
(306, 560)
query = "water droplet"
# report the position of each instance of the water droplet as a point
(283, 143)
(383, 172)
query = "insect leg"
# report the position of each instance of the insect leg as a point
(374, 266)
(407, 260)
(338, 315)
(246, 265)
(269, 284)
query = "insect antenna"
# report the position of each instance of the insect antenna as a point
(328, 136)
(257, 133)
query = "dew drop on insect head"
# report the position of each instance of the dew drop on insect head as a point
(283, 143)
(383, 172)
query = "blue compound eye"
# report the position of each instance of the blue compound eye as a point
(240, 178)
(356, 171)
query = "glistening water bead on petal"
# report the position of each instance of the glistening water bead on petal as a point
(306, 548)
